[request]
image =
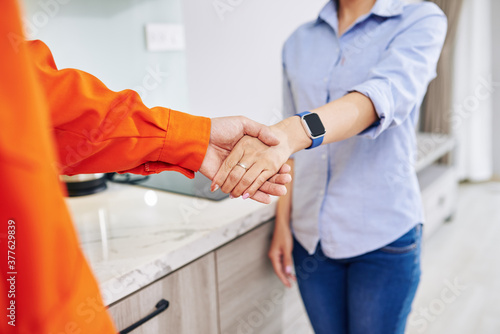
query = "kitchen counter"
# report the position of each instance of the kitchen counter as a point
(133, 236)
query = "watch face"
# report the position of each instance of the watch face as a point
(315, 126)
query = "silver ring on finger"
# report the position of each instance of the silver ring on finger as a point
(242, 165)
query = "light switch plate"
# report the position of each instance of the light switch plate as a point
(165, 37)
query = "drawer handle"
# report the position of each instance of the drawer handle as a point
(161, 306)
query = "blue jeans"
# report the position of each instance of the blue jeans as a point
(367, 294)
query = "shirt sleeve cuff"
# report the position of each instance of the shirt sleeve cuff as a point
(382, 103)
(186, 141)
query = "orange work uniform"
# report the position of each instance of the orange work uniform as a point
(66, 121)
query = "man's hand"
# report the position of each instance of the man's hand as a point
(262, 161)
(225, 134)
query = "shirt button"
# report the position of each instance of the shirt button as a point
(325, 79)
(323, 156)
(322, 192)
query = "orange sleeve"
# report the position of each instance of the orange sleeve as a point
(48, 287)
(98, 130)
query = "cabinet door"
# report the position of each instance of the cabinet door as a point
(439, 187)
(250, 295)
(191, 292)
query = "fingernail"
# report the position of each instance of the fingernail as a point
(288, 270)
(215, 188)
(231, 196)
(245, 196)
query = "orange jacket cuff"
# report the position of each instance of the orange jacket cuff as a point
(184, 146)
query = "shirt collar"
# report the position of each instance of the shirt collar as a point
(383, 8)
(387, 8)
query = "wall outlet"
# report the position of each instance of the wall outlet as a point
(165, 37)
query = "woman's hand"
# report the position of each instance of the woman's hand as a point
(260, 163)
(225, 134)
(280, 253)
(251, 163)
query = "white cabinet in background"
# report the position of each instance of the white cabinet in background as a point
(439, 187)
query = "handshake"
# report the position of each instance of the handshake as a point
(247, 159)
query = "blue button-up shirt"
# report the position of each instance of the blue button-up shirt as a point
(362, 193)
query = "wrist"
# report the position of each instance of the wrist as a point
(282, 225)
(282, 220)
(291, 133)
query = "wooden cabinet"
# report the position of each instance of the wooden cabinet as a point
(232, 290)
(191, 292)
(250, 295)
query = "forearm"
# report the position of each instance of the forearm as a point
(342, 118)
(98, 130)
(284, 206)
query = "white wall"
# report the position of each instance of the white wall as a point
(231, 65)
(106, 38)
(234, 57)
(473, 103)
(496, 96)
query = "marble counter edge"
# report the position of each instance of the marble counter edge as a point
(125, 284)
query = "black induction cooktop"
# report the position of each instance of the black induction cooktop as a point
(173, 182)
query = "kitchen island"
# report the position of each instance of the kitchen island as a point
(206, 258)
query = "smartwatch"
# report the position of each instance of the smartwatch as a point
(314, 127)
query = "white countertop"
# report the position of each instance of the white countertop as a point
(133, 236)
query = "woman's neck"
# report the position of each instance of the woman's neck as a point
(350, 10)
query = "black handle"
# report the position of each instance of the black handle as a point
(161, 306)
